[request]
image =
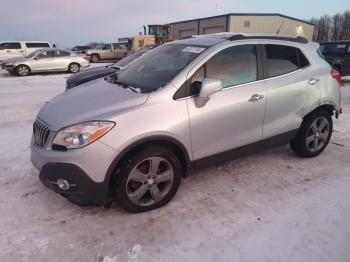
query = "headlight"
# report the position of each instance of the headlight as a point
(80, 135)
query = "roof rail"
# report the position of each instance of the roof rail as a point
(297, 39)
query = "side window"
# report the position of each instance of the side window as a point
(107, 47)
(234, 65)
(10, 45)
(44, 55)
(303, 62)
(117, 46)
(281, 59)
(60, 53)
(37, 45)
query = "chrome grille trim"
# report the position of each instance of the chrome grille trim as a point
(40, 132)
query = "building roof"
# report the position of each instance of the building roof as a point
(246, 14)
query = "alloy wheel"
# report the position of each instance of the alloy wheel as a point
(23, 71)
(74, 68)
(150, 181)
(317, 134)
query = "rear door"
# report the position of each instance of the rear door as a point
(231, 118)
(119, 51)
(292, 89)
(60, 60)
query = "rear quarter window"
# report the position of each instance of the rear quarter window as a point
(37, 45)
(283, 59)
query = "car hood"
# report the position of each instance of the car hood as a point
(14, 60)
(89, 75)
(96, 100)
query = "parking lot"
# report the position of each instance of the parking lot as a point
(272, 206)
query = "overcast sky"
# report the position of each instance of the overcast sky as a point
(71, 22)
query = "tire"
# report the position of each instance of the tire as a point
(74, 68)
(95, 58)
(139, 187)
(313, 135)
(22, 70)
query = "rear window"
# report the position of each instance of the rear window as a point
(37, 45)
(10, 45)
(333, 49)
(60, 53)
(284, 59)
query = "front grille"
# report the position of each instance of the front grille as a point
(41, 132)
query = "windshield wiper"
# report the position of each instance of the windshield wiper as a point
(113, 79)
(126, 85)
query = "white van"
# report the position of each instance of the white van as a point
(21, 48)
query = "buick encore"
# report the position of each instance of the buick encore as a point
(187, 104)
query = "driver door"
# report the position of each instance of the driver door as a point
(107, 52)
(233, 117)
(43, 61)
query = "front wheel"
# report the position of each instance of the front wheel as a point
(314, 135)
(148, 179)
(22, 70)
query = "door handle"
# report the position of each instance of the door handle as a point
(255, 98)
(313, 81)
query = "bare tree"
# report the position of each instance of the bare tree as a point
(332, 28)
(337, 27)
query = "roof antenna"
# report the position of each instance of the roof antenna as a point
(278, 31)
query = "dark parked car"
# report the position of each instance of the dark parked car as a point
(338, 55)
(81, 49)
(99, 72)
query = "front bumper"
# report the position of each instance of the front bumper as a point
(82, 191)
(85, 168)
(7, 67)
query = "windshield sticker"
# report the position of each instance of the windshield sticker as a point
(193, 49)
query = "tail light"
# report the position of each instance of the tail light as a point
(86, 58)
(335, 74)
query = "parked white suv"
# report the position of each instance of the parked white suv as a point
(186, 104)
(21, 48)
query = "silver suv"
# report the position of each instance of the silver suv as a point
(191, 103)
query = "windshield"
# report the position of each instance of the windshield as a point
(159, 66)
(32, 54)
(127, 60)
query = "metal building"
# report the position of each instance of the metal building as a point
(243, 23)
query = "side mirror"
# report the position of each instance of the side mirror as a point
(36, 57)
(209, 87)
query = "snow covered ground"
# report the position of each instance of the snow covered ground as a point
(271, 206)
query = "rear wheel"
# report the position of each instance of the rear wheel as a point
(148, 179)
(74, 68)
(22, 70)
(95, 58)
(314, 135)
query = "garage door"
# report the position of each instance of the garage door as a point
(186, 33)
(213, 29)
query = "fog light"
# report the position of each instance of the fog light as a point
(62, 184)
